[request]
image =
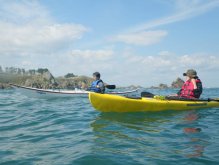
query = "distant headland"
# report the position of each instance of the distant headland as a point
(175, 84)
(42, 78)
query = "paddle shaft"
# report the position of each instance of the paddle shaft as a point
(151, 95)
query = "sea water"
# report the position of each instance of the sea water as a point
(69, 130)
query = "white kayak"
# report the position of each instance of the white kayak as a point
(47, 93)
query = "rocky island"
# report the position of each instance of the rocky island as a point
(42, 78)
(175, 84)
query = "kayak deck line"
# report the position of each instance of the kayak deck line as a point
(176, 99)
(199, 104)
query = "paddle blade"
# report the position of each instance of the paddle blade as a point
(147, 94)
(110, 86)
(215, 99)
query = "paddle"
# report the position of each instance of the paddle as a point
(151, 95)
(147, 94)
(110, 86)
(209, 99)
(106, 86)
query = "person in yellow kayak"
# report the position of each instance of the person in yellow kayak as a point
(192, 87)
(97, 85)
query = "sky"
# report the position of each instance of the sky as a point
(143, 42)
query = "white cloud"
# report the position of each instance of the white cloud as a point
(144, 35)
(166, 62)
(202, 61)
(151, 70)
(24, 12)
(32, 38)
(87, 61)
(44, 38)
(92, 54)
(141, 38)
(185, 9)
(26, 63)
(126, 68)
(27, 28)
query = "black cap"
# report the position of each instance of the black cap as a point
(96, 74)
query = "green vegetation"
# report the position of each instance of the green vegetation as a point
(70, 75)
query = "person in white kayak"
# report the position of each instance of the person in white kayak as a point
(97, 85)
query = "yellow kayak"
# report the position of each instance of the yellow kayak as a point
(115, 103)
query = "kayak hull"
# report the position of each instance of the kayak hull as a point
(48, 93)
(115, 103)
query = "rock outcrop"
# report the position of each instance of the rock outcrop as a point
(74, 82)
(178, 83)
(4, 86)
(41, 78)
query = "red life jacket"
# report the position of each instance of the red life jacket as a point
(188, 89)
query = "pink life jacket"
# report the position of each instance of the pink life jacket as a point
(188, 89)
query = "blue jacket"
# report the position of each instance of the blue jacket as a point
(94, 87)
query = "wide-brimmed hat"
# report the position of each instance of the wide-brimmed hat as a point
(190, 73)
